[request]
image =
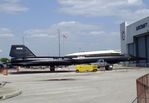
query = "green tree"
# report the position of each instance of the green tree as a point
(5, 60)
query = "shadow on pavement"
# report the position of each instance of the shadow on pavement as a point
(35, 72)
(60, 79)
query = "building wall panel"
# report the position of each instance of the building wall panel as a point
(141, 49)
(147, 50)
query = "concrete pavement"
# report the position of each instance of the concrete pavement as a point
(8, 91)
(117, 86)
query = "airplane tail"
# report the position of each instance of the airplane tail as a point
(20, 51)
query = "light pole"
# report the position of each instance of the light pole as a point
(23, 40)
(59, 42)
(64, 36)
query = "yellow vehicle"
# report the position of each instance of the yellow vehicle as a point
(86, 67)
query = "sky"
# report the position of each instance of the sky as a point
(84, 25)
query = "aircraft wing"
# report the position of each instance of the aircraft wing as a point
(40, 62)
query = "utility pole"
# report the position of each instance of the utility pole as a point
(23, 40)
(59, 42)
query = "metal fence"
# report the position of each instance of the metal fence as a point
(142, 89)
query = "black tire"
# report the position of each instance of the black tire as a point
(52, 69)
(107, 67)
(111, 68)
(77, 71)
(95, 70)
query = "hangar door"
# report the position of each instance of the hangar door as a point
(147, 50)
(131, 51)
(141, 49)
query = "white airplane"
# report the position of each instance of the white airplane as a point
(101, 62)
(94, 54)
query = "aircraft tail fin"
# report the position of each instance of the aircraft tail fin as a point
(20, 51)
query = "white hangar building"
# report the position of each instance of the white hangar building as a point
(135, 40)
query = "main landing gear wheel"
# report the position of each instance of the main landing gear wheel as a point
(108, 67)
(52, 69)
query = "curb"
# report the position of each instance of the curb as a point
(10, 95)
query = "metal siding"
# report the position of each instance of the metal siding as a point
(141, 49)
(131, 50)
(147, 50)
(135, 47)
(123, 38)
(131, 29)
(140, 38)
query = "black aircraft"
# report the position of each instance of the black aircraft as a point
(22, 56)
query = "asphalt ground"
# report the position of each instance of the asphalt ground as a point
(116, 86)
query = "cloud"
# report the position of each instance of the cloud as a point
(79, 35)
(39, 33)
(12, 6)
(74, 26)
(136, 2)
(69, 28)
(5, 32)
(117, 8)
(104, 34)
(136, 15)
(97, 33)
(65, 27)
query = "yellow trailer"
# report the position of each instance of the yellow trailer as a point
(86, 67)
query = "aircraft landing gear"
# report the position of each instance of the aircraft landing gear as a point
(108, 67)
(52, 69)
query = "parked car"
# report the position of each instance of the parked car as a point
(1, 65)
